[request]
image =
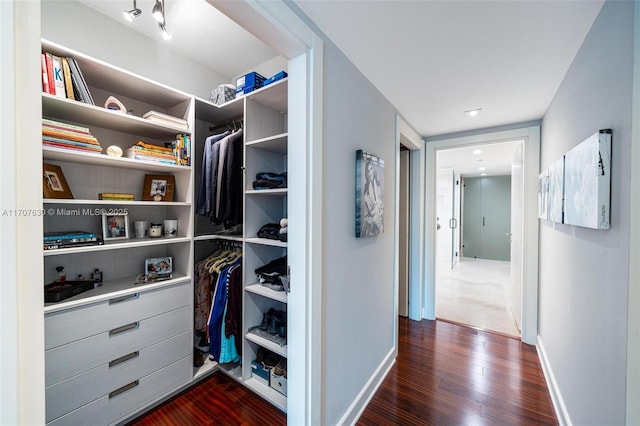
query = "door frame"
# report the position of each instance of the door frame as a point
(531, 136)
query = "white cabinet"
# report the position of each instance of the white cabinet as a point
(119, 347)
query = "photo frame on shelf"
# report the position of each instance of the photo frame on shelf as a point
(158, 188)
(369, 194)
(115, 227)
(54, 184)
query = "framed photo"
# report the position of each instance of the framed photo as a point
(369, 194)
(115, 227)
(158, 268)
(54, 184)
(158, 187)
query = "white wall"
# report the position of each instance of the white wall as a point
(358, 284)
(584, 273)
(77, 26)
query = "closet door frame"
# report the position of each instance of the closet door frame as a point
(276, 24)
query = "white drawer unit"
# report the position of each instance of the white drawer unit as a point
(124, 401)
(84, 321)
(79, 390)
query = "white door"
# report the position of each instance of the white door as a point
(445, 219)
(455, 223)
(517, 190)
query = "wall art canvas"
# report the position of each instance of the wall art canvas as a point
(588, 182)
(556, 190)
(543, 195)
(369, 194)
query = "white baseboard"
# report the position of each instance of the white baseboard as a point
(556, 396)
(356, 408)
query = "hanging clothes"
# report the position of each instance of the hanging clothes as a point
(219, 308)
(209, 170)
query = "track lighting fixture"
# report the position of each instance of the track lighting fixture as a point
(131, 15)
(158, 11)
(165, 32)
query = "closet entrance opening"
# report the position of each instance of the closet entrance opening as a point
(479, 236)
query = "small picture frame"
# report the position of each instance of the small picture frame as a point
(158, 188)
(115, 227)
(54, 184)
(158, 268)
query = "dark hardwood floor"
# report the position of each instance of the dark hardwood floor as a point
(445, 374)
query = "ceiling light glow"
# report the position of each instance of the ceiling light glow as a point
(473, 112)
(481, 168)
(483, 174)
(477, 152)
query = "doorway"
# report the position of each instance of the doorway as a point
(473, 270)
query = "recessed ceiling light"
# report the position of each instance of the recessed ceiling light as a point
(473, 112)
(481, 168)
(477, 152)
(483, 174)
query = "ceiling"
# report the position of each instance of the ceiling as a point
(432, 60)
(494, 159)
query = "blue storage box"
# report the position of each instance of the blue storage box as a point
(276, 77)
(259, 372)
(248, 83)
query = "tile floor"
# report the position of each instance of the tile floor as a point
(475, 292)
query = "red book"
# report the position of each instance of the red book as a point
(52, 84)
(45, 75)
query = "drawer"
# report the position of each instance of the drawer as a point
(77, 323)
(123, 402)
(66, 396)
(77, 357)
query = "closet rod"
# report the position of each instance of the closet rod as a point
(230, 125)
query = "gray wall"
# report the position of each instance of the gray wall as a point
(358, 285)
(77, 26)
(584, 272)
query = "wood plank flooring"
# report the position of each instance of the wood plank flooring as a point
(445, 374)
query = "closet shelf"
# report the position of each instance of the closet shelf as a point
(261, 290)
(111, 289)
(118, 245)
(266, 242)
(60, 108)
(219, 237)
(112, 202)
(273, 96)
(276, 143)
(219, 114)
(275, 191)
(61, 154)
(272, 395)
(267, 344)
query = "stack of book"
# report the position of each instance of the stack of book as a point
(63, 135)
(68, 239)
(181, 148)
(149, 152)
(167, 120)
(115, 196)
(61, 76)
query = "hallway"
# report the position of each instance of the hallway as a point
(475, 292)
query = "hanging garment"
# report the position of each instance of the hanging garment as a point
(209, 169)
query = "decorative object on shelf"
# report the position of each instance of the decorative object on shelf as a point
(155, 231)
(116, 196)
(59, 291)
(113, 104)
(158, 187)
(159, 268)
(115, 227)
(141, 228)
(114, 151)
(369, 194)
(54, 184)
(171, 228)
(96, 276)
(222, 94)
(284, 229)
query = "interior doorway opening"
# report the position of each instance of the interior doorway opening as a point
(477, 193)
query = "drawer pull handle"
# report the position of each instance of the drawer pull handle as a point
(124, 298)
(123, 359)
(124, 328)
(124, 389)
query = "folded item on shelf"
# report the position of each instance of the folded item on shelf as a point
(278, 177)
(270, 231)
(268, 184)
(271, 274)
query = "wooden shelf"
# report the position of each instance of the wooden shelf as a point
(61, 154)
(280, 296)
(118, 245)
(276, 143)
(58, 108)
(266, 242)
(267, 344)
(111, 289)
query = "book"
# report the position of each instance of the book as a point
(160, 118)
(69, 136)
(52, 85)
(65, 126)
(45, 76)
(115, 195)
(80, 82)
(66, 71)
(99, 241)
(48, 236)
(58, 78)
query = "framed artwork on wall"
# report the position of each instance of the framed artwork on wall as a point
(369, 195)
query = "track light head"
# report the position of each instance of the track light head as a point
(158, 11)
(131, 15)
(165, 32)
